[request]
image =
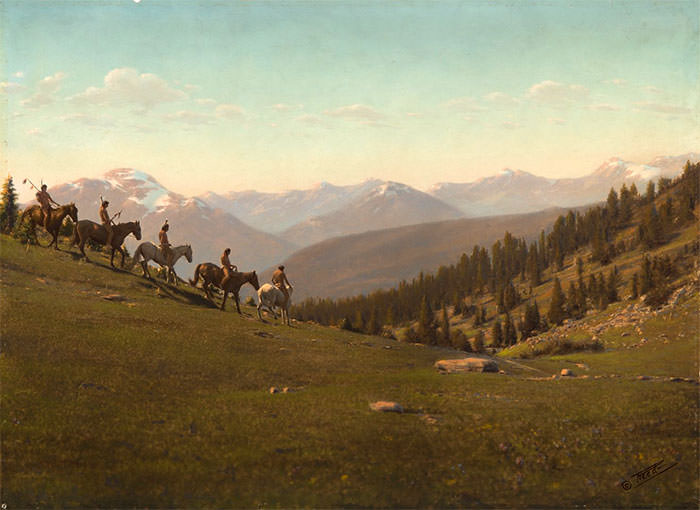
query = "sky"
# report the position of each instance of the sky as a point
(222, 95)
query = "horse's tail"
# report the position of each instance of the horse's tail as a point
(194, 281)
(76, 234)
(138, 253)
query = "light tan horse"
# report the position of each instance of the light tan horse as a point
(271, 297)
(234, 286)
(148, 251)
(55, 219)
(211, 274)
(86, 229)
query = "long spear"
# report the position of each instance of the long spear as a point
(31, 183)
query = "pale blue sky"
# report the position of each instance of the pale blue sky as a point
(224, 95)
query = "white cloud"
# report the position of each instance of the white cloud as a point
(605, 107)
(190, 117)
(501, 98)
(414, 114)
(228, 111)
(311, 119)
(88, 120)
(662, 108)
(464, 104)
(18, 74)
(557, 121)
(46, 91)
(620, 82)
(206, 101)
(653, 90)
(356, 112)
(8, 87)
(283, 107)
(509, 124)
(557, 94)
(34, 132)
(126, 86)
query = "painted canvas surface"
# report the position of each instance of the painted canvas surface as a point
(336, 254)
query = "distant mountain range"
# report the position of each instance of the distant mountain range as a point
(208, 229)
(263, 229)
(516, 191)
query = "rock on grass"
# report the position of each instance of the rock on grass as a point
(386, 407)
(455, 366)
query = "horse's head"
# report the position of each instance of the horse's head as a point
(188, 253)
(254, 280)
(73, 212)
(137, 230)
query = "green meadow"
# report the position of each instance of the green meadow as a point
(158, 399)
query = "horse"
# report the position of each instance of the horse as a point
(149, 251)
(234, 285)
(55, 219)
(87, 229)
(211, 274)
(270, 297)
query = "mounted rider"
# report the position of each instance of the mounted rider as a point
(279, 280)
(106, 222)
(45, 200)
(165, 248)
(227, 267)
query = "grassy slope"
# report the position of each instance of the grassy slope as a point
(164, 402)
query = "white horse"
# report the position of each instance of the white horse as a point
(271, 297)
(148, 251)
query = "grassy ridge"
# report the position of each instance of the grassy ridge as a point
(163, 401)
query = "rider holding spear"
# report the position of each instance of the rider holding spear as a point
(44, 199)
(107, 221)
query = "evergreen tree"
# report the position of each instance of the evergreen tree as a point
(626, 203)
(651, 193)
(497, 333)
(613, 205)
(646, 279)
(8, 207)
(572, 301)
(557, 306)
(611, 286)
(426, 323)
(510, 334)
(635, 287)
(445, 325)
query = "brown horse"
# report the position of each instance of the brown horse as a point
(86, 229)
(211, 274)
(55, 219)
(235, 283)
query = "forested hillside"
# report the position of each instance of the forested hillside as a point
(499, 294)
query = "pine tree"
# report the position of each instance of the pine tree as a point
(626, 203)
(510, 335)
(445, 327)
(635, 287)
(613, 205)
(497, 333)
(646, 279)
(426, 323)
(557, 306)
(8, 207)
(651, 193)
(611, 286)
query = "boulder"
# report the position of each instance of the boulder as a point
(386, 407)
(452, 366)
(565, 372)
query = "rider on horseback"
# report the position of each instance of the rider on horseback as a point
(227, 267)
(165, 248)
(106, 223)
(45, 200)
(279, 279)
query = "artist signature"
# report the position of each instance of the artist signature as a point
(646, 474)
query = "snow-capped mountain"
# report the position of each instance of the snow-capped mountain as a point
(208, 229)
(276, 212)
(386, 205)
(516, 191)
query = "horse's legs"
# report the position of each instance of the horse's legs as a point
(238, 306)
(223, 303)
(82, 249)
(122, 252)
